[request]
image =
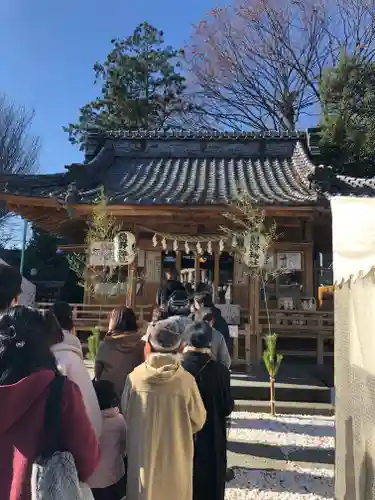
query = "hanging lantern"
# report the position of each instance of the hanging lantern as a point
(199, 249)
(175, 246)
(234, 241)
(124, 248)
(164, 244)
(155, 240)
(221, 245)
(209, 248)
(187, 248)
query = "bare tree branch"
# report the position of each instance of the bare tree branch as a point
(19, 149)
(256, 63)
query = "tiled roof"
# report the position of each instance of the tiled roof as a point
(272, 170)
(328, 182)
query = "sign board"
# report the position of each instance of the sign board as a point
(141, 258)
(102, 254)
(290, 261)
(153, 267)
(240, 276)
(233, 331)
(231, 313)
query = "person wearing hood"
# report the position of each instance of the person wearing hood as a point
(121, 350)
(219, 347)
(163, 410)
(27, 369)
(210, 447)
(70, 363)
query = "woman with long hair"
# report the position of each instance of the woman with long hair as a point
(69, 359)
(27, 369)
(121, 351)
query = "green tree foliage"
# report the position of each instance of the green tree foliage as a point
(43, 256)
(348, 125)
(141, 87)
(93, 343)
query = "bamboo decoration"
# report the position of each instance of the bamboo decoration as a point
(272, 360)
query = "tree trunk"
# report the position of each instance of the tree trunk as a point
(272, 396)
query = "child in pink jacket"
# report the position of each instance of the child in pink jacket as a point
(108, 481)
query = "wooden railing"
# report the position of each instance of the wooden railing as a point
(298, 323)
(317, 325)
(87, 316)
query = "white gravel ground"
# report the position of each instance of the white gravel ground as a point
(288, 432)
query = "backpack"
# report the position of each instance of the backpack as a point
(178, 303)
(54, 475)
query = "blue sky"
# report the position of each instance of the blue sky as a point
(48, 48)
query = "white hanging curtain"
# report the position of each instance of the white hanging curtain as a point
(353, 237)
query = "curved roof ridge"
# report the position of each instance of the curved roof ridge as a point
(192, 134)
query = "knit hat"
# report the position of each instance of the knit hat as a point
(199, 334)
(165, 336)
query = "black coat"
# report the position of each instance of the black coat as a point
(210, 448)
(166, 290)
(220, 324)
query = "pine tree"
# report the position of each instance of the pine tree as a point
(42, 255)
(348, 126)
(141, 87)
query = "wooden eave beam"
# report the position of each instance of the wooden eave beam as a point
(34, 201)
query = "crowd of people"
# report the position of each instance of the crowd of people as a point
(150, 426)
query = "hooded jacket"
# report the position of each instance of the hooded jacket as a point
(22, 432)
(163, 410)
(70, 363)
(113, 448)
(219, 347)
(117, 356)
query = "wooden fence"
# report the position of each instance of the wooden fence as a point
(87, 316)
(317, 325)
(248, 346)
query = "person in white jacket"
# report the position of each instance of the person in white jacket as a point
(69, 358)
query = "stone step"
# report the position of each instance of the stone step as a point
(306, 392)
(285, 407)
(263, 457)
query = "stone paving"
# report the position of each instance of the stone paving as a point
(282, 458)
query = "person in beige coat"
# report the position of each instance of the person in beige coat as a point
(163, 410)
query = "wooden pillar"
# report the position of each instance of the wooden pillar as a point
(197, 270)
(216, 275)
(253, 339)
(178, 261)
(320, 351)
(132, 280)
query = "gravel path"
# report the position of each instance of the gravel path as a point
(285, 432)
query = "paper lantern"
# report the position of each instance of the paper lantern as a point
(124, 248)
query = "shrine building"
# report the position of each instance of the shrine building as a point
(170, 190)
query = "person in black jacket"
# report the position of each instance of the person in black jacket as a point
(205, 300)
(170, 285)
(210, 447)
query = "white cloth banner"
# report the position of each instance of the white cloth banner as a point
(353, 237)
